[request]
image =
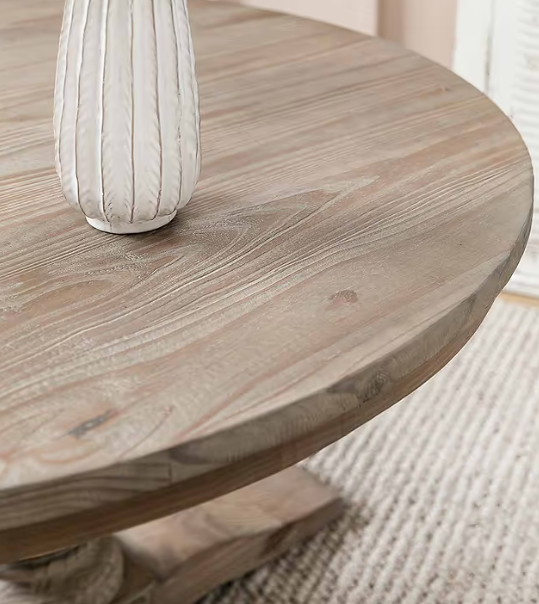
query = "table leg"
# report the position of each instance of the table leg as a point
(183, 557)
(92, 573)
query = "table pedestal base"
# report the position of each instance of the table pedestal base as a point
(181, 558)
(93, 573)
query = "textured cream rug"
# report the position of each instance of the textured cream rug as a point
(442, 491)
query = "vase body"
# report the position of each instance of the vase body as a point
(126, 115)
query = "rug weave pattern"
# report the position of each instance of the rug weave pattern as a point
(442, 491)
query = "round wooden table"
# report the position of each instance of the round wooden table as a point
(360, 209)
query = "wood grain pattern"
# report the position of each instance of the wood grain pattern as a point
(185, 556)
(360, 209)
(90, 574)
(193, 552)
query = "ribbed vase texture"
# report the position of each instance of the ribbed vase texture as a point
(126, 115)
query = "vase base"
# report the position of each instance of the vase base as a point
(130, 228)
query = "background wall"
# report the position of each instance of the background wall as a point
(354, 14)
(426, 26)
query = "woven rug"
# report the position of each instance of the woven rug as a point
(442, 491)
(525, 281)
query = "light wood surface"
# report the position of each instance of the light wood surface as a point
(425, 26)
(94, 573)
(359, 210)
(359, 15)
(181, 558)
(193, 552)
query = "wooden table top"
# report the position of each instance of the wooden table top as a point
(359, 210)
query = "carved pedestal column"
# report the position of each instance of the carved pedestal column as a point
(180, 559)
(93, 573)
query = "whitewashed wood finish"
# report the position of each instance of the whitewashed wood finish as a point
(360, 15)
(195, 551)
(180, 559)
(126, 113)
(90, 574)
(360, 209)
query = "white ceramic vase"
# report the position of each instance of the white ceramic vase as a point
(126, 116)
